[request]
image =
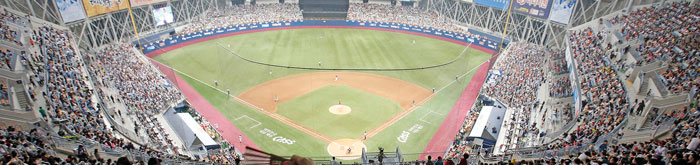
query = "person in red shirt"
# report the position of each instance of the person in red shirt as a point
(464, 159)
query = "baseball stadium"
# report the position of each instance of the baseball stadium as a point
(434, 82)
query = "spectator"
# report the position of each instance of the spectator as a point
(244, 14)
(81, 153)
(464, 159)
(430, 161)
(439, 161)
(693, 144)
(669, 33)
(33, 147)
(334, 162)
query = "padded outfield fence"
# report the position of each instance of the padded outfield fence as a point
(487, 44)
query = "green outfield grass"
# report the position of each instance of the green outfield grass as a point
(347, 48)
(311, 111)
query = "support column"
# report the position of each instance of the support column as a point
(29, 3)
(595, 11)
(92, 35)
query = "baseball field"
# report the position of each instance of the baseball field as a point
(329, 91)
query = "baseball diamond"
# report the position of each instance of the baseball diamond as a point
(295, 103)
(389, 82)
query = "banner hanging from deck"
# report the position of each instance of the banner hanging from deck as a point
(536, 8)
(97, 7)
(135, 3)
(561, 10)
(71, 10)
(501, 4)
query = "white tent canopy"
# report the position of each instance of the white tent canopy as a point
(201, 135)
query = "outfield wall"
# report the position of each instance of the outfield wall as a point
(488, 45)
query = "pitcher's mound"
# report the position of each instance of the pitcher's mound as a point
(339, 148)
(340, 109)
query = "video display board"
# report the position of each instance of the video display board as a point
(163, 15)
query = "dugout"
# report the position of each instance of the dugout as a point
(488, 125)
(189, 131)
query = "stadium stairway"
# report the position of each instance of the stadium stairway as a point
(643, 87)
(646, 134)
(17, 114)
(22, 99)
(664, 105)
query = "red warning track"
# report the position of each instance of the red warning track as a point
(439, 143)
(454, 120)
(208, 111)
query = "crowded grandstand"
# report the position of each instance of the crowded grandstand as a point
(85, 82)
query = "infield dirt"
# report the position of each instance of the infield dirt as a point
(269, 94)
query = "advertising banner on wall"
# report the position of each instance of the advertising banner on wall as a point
(501, 4)
(97, 7)
(135, 3)
(482, 43)
(561, 10)
(71, 10)
(536, 8)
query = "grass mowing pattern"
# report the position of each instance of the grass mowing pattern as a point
(207, 62)
(336, 48)
(210, 62)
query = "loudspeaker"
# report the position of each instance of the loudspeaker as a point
(281, 1)
(365, 1)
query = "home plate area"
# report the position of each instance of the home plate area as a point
(346, 149)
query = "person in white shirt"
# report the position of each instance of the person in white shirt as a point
(693, 145)
(334, 162)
